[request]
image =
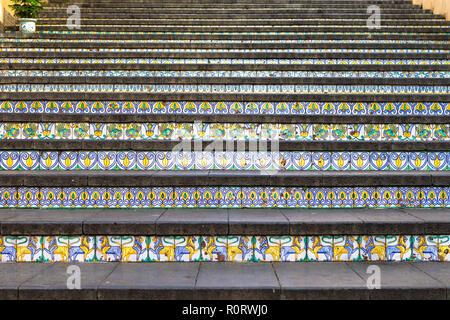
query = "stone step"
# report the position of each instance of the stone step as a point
(147, 67)
(224, 55)
(88, 179)
(251, 81)
(362, 36)
(219, 97)
(227, 74)
(224, 222)
(209, 280)
(93, 114)
(136, 12)
(53, 14)
(269, 29)
(98, 3)
(61, 45)
(291, 17)
(169, 145)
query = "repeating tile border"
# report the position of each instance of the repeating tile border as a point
(228, 88)
(206, 160)
(224, 197)
(205, 107)
(239, 248)
(232, 61)
(223, 131)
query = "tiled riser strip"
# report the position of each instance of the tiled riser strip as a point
(230, 61)
(213, 74)
(224, 248)
(161, 160)
(194, 107)
(233, 131)
(150, 88)
(235, 33)
(151, 41)
(229, 197)
(225, 50)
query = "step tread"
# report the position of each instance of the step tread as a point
(208, 280)
(203, 178)
(223, 222)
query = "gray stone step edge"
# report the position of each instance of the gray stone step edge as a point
(236, 281)
(224, 222)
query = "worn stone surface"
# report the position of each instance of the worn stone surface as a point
(52, 282)
(193, 222)
(150, 281)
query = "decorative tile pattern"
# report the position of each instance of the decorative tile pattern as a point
(224, 248)
(231, 197)
(232, 88)
(227, 131)
(225, 74)
(280, 161)
(225, 107)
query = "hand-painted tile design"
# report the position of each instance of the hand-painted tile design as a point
(232, 197)
(224, 248)
(229, 160)
(225, 107)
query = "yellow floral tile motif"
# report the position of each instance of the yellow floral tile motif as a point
(227, 131)
(227, 107)
(238, 248)
(224, 160)
(231, 197)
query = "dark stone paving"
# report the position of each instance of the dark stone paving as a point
(208, 280)
(270, 221)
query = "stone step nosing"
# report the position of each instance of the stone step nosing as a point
(225, 46)
(169, 145)
(222, 222)
(54, 80)
(164, 30)
(272, 97)
(223, 55)
(224, 118)
(217, 178)
(336, 36)
(222, 67)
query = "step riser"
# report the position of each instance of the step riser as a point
(53, 81)
(66, 66)
(239, 248)
(260, 160)
(224, 197)
(208, 47)
(321, 36)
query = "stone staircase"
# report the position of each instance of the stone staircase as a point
(218, 132)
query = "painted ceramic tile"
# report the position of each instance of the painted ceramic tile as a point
(425, 248)
(108, 248)
(55, 248)
(444, 248)
(29, 249)
(373, 248)
(161, 249)
(240, 248)
(399, 248)
(214, 248)
(8, 251)
(267, 248)
(134, 248)
(346, 248)
(82, 248)
(320, 248)
(293, 248)
(187, 249)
